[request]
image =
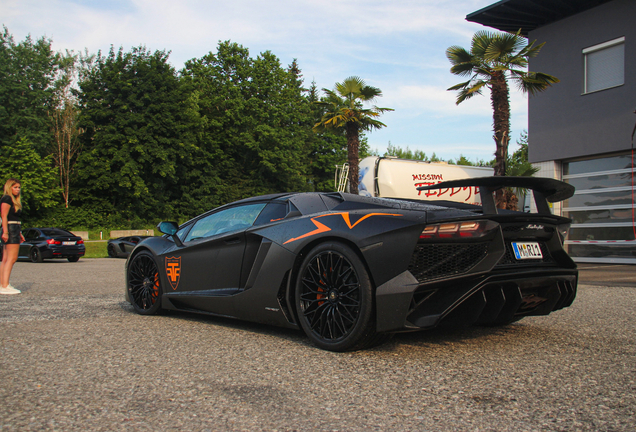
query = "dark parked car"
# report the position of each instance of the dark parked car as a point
(122, 247)
(48, 243)
(350, 270)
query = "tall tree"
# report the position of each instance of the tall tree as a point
(66, 144)
(251, 124)
(134, 116)
(518, 165)
(344, 109)
(27, 87)
(398, 152)
(327, 149)
(493, 59)
(37, 175)
(64, 117)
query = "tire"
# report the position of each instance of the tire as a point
(111, 251)
(144, 284)
(334, 299)
(73, 259)
(35, 255)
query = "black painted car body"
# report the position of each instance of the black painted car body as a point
(122, 247)
(350, 270)
(50, 243)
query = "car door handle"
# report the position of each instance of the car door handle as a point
(233, 240)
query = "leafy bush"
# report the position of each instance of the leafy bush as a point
(88, 219)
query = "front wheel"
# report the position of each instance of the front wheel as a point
(334, 299)
(144, 285)
(35, 255)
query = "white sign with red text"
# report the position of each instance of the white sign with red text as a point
(399, 178)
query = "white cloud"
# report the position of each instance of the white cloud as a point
(436, 101)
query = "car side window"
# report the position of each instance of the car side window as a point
(231, 219)
(273, 212)
(31, 235)
(183, 231)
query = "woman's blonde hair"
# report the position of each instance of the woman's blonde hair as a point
(17, 203)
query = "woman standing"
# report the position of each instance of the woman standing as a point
(10, 210)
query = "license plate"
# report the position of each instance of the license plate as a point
(527, 251)
(68, 243)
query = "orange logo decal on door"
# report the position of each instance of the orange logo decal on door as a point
(173, 270)
(320, 227)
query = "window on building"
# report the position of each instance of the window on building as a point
(601, 209)
(604, 65)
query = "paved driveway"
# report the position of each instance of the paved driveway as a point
(608, 274)
(74, 356)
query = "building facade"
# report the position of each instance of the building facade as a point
(580, 130)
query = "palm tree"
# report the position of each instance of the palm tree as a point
(344, 109)
(495, 58)
(517, 165)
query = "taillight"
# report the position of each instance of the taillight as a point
(457, 230)
(80, 242)
(53, 241)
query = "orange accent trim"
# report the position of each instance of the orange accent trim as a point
(321, 228)
(345, 216)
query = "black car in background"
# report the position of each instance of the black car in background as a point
(122, 247)
(48, 243)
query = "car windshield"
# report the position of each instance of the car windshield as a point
(55, 232)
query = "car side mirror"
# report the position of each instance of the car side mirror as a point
(170, 228)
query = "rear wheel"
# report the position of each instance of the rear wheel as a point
(73, 259)
(334, 299)
(35, 255)
(144, 286)
(111, 251)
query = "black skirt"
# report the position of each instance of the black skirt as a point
(14, 234)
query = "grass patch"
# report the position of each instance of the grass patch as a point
(96, 249)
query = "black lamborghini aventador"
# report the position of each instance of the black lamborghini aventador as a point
(351, 270)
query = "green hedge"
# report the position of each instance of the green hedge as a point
(93, 221)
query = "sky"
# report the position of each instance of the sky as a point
(397, 46)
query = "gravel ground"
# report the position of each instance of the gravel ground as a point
(74, 356)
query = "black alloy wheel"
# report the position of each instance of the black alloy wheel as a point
(334, 299)
(144, 285)
(35, 255)
(73, 259)
(111, 251)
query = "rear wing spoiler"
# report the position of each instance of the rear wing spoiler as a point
(544, 190)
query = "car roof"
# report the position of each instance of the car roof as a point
(267, 197)
(52, 231)
(315, 202)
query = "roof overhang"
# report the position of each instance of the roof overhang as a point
(527, 15)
